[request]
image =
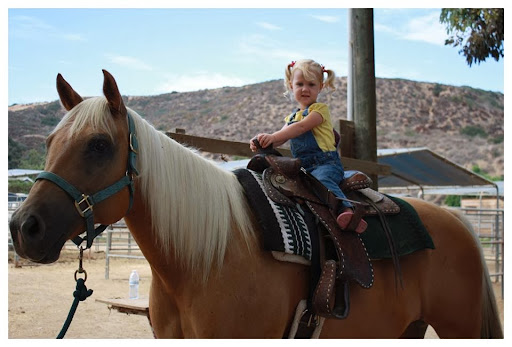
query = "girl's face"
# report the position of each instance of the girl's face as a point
(304, 91)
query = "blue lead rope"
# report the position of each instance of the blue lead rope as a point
(81, 293)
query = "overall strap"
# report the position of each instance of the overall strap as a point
(304, 114)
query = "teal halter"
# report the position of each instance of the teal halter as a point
(84, 203)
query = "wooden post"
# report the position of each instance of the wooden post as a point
(365, 109)
(346, 131)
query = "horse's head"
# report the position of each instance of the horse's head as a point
(86, 164)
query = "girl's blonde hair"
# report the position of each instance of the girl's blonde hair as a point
(312, 71)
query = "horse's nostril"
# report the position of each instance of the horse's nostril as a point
(30, 228)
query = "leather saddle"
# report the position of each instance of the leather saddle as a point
(343, 256)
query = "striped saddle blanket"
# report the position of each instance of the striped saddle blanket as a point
(293, 231)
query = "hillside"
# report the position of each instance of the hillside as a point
(463, 124)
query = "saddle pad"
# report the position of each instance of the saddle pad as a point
(289, 230)
(409, 233)
(285, 229)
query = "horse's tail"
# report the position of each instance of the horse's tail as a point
(491, 324)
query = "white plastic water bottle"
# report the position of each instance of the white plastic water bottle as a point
(134, 285)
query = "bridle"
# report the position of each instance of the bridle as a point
(84, 203)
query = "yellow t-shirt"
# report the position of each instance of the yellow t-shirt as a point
(323, 133)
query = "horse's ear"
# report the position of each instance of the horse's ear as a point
(68, 97)
(115, 101)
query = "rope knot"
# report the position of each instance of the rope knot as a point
(81, 292)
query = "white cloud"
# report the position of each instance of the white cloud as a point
(198, 81)
(268, 26)
(427, 29)
(386, 71)
(424, 28)
(129, 62)
(263, 47)
(27, 27)
(73, 37)
(274, 54)
(326, 19)
(384, 28)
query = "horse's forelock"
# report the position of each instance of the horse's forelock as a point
(92, 114)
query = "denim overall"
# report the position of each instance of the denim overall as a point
(324, 166)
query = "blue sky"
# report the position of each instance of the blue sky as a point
(155, 51)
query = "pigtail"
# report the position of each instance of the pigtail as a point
(331, 77)
(287, 78)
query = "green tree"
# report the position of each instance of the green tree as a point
(15, 153)
(452, 200)
(479, 31)
(476, 169)
(33, 160)
(16, 186)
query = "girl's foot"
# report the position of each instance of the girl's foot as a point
(345, 218)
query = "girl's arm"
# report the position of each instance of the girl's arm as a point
(291, 131)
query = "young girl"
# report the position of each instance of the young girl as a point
(311, 133)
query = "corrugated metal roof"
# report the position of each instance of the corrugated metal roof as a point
(424, 168)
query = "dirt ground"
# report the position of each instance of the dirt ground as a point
(40, 298)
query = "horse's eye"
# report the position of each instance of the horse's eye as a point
(99, 145)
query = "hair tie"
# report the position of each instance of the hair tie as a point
(292, 64)
(323, 69)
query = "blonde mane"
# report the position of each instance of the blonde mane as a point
(194, 204)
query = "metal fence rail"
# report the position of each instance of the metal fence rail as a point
(119, 243)
(489, 227)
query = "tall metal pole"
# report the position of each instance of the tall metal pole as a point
(363, 82)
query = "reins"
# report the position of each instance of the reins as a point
(84, 205)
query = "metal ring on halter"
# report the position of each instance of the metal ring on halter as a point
(84, 272)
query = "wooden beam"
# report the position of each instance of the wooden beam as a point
(217, 146)
(368, 167)
(242, 149)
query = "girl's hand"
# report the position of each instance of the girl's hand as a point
(266, 140)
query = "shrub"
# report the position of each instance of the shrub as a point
(437, 89)
(452, 200)
(473, 131)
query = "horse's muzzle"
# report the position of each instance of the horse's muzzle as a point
(31, 239)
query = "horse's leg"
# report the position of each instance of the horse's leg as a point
(452, 282)
(163, 312)
(415, 330)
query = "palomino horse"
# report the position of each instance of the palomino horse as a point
(210, 276)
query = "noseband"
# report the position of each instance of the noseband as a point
(84, 203)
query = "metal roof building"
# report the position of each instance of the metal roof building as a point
(421, 168)
(22, 172)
